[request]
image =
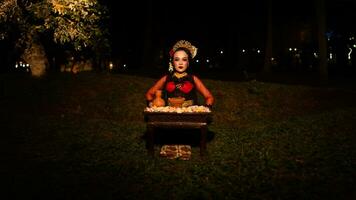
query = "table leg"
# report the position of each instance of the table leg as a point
(150, 140)
(203, 131)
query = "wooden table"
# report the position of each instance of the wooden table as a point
(199, 120)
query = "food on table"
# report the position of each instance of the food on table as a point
(190, 109)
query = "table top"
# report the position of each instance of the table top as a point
(189, 117)
(175, 113)
(195, 109)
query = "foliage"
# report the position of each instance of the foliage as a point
(79, 22)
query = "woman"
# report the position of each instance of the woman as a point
(180, 83)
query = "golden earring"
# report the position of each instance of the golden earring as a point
(170, 69)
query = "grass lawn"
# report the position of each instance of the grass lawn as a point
(82, 137)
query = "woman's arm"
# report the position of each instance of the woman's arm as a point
(209, 99)
(150, 94)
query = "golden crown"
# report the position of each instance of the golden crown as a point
(187, 45)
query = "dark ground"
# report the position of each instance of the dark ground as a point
(82, 137)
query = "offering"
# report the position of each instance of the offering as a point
(189, 109)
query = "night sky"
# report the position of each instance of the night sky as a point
(218, 23)
(204, 23)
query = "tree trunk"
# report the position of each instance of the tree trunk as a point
(321, 24)
(147, 60)
(35, 56)
(269, 41)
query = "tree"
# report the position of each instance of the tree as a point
(77, 24)
(321, 21)
(269, 40)
(148, 34)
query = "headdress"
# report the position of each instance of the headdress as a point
(184, 44)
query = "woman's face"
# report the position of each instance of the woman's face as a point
(180, 61)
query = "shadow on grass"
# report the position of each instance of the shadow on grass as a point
(191, 137)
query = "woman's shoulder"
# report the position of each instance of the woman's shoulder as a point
(194, 76)
(191, 76)
(165, 76)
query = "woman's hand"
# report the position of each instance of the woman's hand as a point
(209, 106)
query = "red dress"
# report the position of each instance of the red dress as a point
(180, 87)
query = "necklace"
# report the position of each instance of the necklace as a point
(180, 75)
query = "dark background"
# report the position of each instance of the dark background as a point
(220, 23)
(229, 35)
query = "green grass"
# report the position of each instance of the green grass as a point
(81, 137)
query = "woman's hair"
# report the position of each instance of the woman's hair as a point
(190, 58)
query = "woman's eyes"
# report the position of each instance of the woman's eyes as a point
(184, 59)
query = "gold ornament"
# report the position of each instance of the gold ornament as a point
(171, 68)
(180, 75)
(185, 44)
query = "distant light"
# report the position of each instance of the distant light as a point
(27, 65)
(207, 60)
(243, 50)
(351, 38)
(315, 55)
(295, 49)
(349, 54)
(16, 65)
(330, 56)
(111, 65)
(258, 51)
(290, 49)
(329, 34)
(272, 59)
(221, 52)
(125, 65)
(354, 45)
(197, 61)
